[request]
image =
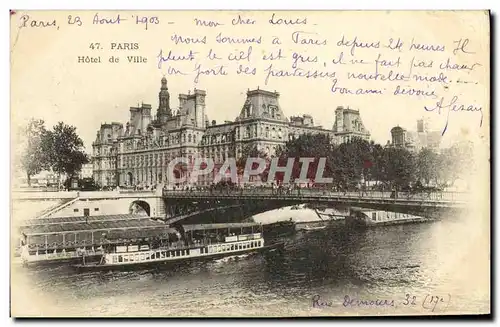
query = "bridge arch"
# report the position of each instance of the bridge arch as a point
(140, 206)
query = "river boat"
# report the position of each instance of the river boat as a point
(65, 240)
(193, 242)
(365, 218)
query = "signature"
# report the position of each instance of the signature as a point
(318, 302)
(352, 302)
(431, 302)
(456, 106)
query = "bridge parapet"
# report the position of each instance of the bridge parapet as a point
(84, 195)
(305, 193)
(436, 199)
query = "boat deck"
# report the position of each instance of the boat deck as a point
(70, 232)
(80, 219)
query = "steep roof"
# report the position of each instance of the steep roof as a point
(262, 104)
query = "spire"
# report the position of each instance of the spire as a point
(164, 102)
(164, 83)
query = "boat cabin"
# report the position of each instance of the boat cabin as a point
(203, 240)
(142, 240)
(53, 235)
(221, 233)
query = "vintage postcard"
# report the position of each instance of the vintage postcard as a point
(250, 163)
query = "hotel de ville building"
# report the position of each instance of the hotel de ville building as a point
(138, 153)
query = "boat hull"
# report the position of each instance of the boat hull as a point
(361, 224)
(277, 247)
(55, 261)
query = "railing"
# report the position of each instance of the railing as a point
(82, 194)
(126, 191)
(46, 255)
(64, 203)
(44, 195)
(305, 193)
(318, 193)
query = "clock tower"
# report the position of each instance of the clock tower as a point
(164, 111)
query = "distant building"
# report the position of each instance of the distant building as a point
(348, 125)
(87, 171)
(42, 179)
(416, 140)
(138, 153)
(104, 158)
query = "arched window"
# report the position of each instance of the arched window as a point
(248, 132)
(194, 138)
(189, 138)
(267, 132)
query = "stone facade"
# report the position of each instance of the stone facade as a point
(138, 153)
(348, 125)
(86, 171)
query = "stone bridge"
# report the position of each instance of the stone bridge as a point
(176, 206)
(253, 201)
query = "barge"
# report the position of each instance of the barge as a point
(365, 218)
(197, 242)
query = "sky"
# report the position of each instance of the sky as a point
(49, 83)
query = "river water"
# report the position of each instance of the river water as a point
(402, 265)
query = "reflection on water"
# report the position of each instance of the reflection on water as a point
(386, 262)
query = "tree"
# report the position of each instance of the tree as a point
(427, 166)
(352, 161)
(375, 165)
(399, 166)
(64, 150)
(314, 146)
(33, 159)
(456, 162)
(251, 151)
